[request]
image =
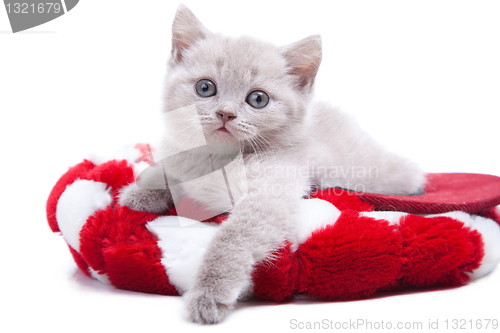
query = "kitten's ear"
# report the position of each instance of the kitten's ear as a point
(186, 31)
(304, 58)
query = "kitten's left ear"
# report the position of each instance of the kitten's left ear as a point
(303, 58)
(186, 31)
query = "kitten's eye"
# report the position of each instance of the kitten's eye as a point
(206, 88)
(258, 99)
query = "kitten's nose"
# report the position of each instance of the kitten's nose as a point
(225, 116)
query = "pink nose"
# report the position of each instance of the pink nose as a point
(225, 116)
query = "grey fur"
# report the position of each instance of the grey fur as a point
(290, 144)
(145, 200)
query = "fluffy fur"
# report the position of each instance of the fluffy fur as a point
(288, 146)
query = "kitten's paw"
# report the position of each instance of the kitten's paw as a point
(203, 307)
(144, 200)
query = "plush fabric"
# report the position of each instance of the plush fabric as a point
(350, 245)
(445, 192)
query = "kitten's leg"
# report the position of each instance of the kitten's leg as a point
(344, 155)
(245, 239)
(145, 200)
(394, 174)
(256, 227)
(383, 173)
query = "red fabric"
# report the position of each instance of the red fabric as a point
(444, 192)
(278, 280)
(82, 264)
(438, 251)
(114, 173)
(353, 258)
(69, 177)
(358, 256)
(342, 199)
(116, 242)
(146, 152)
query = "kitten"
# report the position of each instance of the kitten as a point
(257, 97)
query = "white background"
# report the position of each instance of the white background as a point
(423, 77)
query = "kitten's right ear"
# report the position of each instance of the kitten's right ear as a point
(303, 58)
(186, 31)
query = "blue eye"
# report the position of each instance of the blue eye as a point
(206, 88)
(258, 99)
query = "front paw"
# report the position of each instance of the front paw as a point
(204, 308)
(145, 200)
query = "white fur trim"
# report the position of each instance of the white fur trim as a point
(99, 277)
(490, 231)
(184, 241)
(313, 215)
(79, 201)
(391, 217)
(182, 248)
(126, 152)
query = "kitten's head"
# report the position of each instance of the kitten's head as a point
(246, 91)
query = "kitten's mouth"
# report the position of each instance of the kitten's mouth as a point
(223, 129)
(223, 134)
